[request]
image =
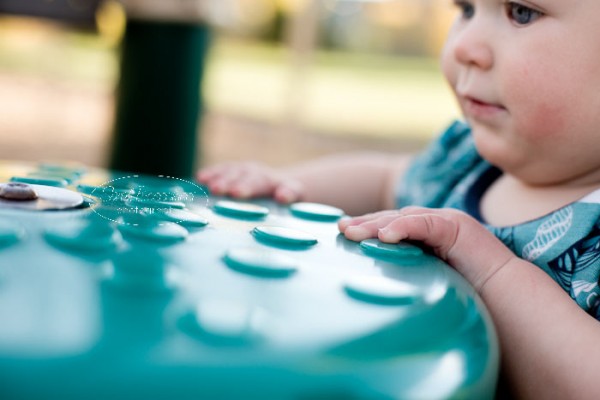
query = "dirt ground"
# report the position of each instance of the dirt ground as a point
(53, 121)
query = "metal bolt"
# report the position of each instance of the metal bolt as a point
(17, 191)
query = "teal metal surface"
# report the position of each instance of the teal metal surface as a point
(109, 300)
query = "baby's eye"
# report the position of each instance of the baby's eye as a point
(520, 14)
(467, 9)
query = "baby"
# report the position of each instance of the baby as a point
(510, 198)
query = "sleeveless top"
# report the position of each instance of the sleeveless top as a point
(564, 243)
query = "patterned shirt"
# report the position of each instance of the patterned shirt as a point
(564, 243)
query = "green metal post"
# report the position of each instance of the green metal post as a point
(159, 103)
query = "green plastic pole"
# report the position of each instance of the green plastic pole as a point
(158, 99)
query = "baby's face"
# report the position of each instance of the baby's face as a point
(527, 77)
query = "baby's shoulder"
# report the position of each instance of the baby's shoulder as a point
(449, 164)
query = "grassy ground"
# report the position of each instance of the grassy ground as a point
(335, 93)
(56, 99)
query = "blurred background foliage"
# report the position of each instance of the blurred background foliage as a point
(324, 68)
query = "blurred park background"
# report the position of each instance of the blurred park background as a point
(285, 80)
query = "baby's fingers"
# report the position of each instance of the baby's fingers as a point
(205, 175)
(288, 192)
(435, 230)
(248, 185)
(345, 223)
(455, 237)
(221, 184)
(370, 228)
(208, 174)
(242, 180)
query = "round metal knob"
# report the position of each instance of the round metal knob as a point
(17, 191)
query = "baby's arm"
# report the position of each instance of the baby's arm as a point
(357, 183)
(549, 345)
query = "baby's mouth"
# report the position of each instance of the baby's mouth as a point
(479, 109)
(480, 103)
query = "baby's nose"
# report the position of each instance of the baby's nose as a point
(471, 45)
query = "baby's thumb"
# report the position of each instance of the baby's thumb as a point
(288, 192)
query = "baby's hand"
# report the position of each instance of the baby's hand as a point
(248, 180)
(453, 235)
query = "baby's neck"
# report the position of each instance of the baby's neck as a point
(509, 201)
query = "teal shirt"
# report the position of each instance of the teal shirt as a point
(564, 243)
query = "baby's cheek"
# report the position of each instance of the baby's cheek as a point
(449, 65)
(543, 121)
(541, 111)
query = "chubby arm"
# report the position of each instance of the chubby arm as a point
(356, 183)
(549, 345)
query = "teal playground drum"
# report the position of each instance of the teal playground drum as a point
(146, 287)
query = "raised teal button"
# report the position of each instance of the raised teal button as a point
(154, 204)
(316, 211)
(377, 248)
(10, 233)
(382, 290)
(165, 232)
(84, 236)
(123, 182)
(182, 217)
(46, 181)
(240, 210)
(69, 178)
(148, 185)
(283, 236)
(223, 322)
(108, 194)
(140, 269)
(260, 262)
(62, 169)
